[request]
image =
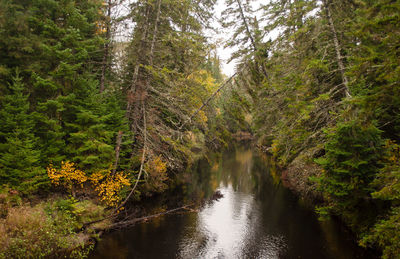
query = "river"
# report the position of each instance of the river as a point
(256, 218)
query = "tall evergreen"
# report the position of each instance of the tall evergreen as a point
(19, 157)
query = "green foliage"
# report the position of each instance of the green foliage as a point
(175, 75)
(303, 95)
(59, 113)
(385, 234)
(376, 63)
(19, 158)
(79, 211)
(351, 163)
(52, 111)
(289, 90)
(90, 139)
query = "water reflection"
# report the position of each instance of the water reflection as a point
(228, 229)
(256, 218)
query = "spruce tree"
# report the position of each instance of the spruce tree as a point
(18, 154)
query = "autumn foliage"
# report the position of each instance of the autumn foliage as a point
(156, 170)
(107, 185)
(67, 176)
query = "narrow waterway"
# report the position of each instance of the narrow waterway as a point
(256, 218)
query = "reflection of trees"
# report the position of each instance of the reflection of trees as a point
(236, 169)
(201, 179)
(256, 218)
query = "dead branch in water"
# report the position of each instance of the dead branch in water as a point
(130, 222)
(133, 221)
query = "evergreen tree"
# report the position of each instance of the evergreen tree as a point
(18, 154)
(167, 58)
(89, 142)
(376, 62)
(351, 163)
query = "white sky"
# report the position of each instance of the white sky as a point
(124, 30)
(223, 35)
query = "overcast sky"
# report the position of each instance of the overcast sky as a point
(124, 30)
(223, 53)
(223, 35)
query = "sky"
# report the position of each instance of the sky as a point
(223, 53)
(124, 30)
(223, 35)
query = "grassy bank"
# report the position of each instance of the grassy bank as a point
(48, 227)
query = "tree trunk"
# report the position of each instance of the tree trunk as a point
(253, 43)
(141, 89)
(106, 47)
(338, 48)
(132, 94)
(117, 151)
(252, 40)
(155, 31)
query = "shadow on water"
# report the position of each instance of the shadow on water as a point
(256, 218)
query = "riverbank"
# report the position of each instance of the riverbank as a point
(50, 227)
(60, 219)
(56, 226)
(53, 222)
(296, 176)
(299, 177)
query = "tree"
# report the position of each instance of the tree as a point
(19, 156)
(351, 163)
(375, 64)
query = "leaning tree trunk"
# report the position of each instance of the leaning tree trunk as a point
(135, 76)
(338, 48)
(252, 40)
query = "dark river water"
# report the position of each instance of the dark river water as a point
(256, 218)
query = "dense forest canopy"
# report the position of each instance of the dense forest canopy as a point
(116, 97)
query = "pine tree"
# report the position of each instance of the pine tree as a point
(167, 59)
(240, 13)
(18, 154)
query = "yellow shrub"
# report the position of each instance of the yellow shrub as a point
(275, 148)
(157, 165)
(109, 186)
(156, 169)
(67, 176)
(202, 118)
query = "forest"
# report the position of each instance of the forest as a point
(104, 102)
